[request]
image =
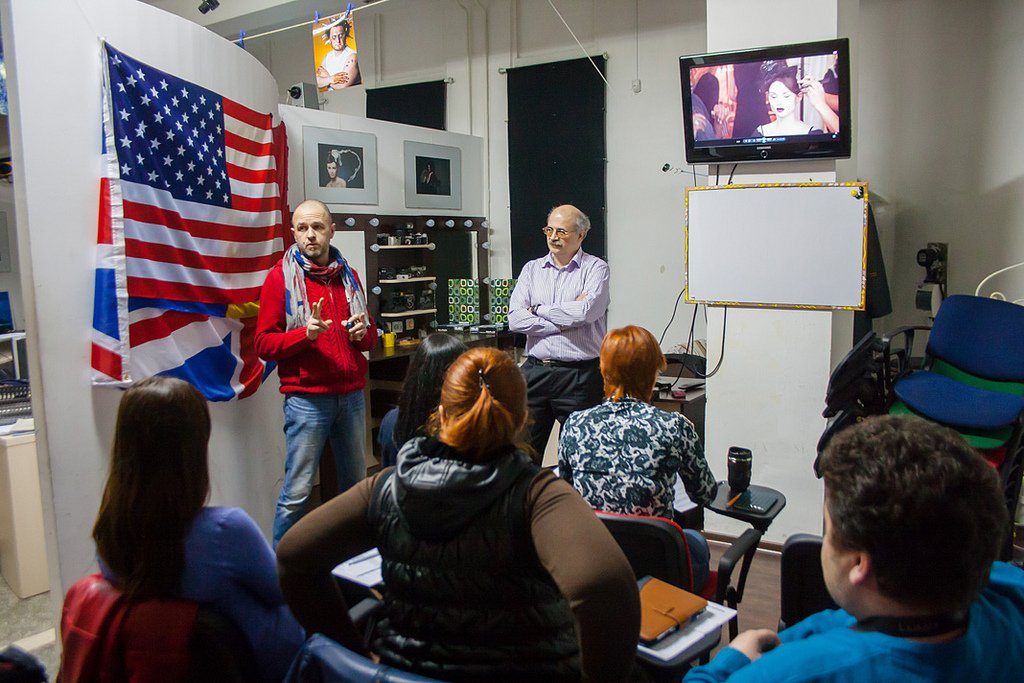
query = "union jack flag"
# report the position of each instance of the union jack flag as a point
(190, 223)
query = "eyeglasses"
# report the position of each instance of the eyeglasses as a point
(560, 233)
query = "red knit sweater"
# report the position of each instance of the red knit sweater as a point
(330, 365)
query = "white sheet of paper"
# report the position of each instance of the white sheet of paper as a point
(681, 502)
(363, 569)
(693, 636)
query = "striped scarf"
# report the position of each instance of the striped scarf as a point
(295, 267)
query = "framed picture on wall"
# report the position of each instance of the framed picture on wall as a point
(340, 166)
(433, 176)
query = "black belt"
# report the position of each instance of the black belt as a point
(589, 363)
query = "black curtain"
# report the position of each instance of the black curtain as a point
(419, 104)
(556, 151)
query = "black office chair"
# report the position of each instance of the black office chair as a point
(802, 590)
(858, 387)
(657, 547)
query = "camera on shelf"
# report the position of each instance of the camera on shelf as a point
(383, 239)
(420, 238)
(391, 304)
(403, 274)
(385, 273)
(407, 240)
(398, 302)
(417, 271)
(426, 299)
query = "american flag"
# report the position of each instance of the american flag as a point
(190, 224)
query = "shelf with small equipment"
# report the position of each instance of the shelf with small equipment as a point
(402, 246)
(423, 311)
(398, 281)
(411, 262)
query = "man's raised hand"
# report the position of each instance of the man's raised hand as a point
(316, 325)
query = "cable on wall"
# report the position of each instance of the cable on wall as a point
(997, 294)
(582, 49)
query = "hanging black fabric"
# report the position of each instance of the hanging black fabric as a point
(418, 104)
(556, 151)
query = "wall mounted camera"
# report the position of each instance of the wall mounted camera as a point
(931, 292)
(208, 6)
(303, 95)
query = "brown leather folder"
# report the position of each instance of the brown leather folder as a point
(665, 608)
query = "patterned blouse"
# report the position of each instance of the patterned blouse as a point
(623, 456)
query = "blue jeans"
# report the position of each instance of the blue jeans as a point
(700, 558)
(309, 421)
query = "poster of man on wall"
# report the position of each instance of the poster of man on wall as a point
(334, 52)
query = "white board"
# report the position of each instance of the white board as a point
(794, 246)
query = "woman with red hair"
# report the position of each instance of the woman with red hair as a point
(494, 570)
(624, 454)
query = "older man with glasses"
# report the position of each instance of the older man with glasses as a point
(560, 303)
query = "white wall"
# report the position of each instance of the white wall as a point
(936, 109)
(769, 392)
(390, 161)
(467, 41)
(56, 224)
(938, 135)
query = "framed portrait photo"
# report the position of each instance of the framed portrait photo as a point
(340, 166)
(433, 176)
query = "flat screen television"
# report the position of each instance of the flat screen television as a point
(768, 104)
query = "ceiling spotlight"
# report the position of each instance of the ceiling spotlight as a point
(207, 5)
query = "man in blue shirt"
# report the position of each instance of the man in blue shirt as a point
(914, 520)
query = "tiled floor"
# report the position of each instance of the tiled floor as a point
(29, 624)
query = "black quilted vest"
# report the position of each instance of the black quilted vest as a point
(466, 598)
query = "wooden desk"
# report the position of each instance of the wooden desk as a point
(692, 405)
(391, 364)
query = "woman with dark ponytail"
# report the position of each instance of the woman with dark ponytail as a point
(494, 569)
(421, 393)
